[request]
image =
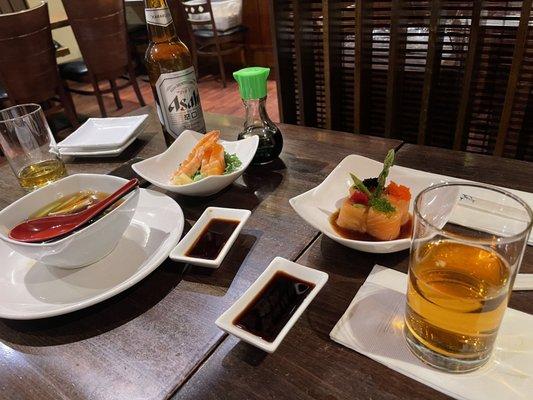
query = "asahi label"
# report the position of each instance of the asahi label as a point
(158, 16)
(180, 102)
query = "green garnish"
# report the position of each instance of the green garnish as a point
(387, 163)
(358, 184)
(381, 204)
(197, 176)
(232, 163)
(375, 198)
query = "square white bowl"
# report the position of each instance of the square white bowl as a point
(98, 153)
(158, 169)
(83, 247)
(102, 134)
(226, 320)
(316, 205)
(235, 214)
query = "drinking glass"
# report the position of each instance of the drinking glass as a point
(468, 242)
(30, 148)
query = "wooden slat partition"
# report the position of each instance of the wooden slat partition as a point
(358, 66)
(282, 29)
(447, 73)
(299, 61)
(518, 58)
(396, 48)
(327, 70)
(431, 66)
(467, 79)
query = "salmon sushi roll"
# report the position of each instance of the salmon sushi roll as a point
(401, 205)
(352, 216)
(383, 226)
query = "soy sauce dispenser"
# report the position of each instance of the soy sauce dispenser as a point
(253, 90)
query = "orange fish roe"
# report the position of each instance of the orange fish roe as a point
(398, 191)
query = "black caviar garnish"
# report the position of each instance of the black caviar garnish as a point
(371, 183)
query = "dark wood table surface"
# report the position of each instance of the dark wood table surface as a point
(158, 339)
(308, 364)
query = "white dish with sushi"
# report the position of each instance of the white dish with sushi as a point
(190, 167)
(317, 205)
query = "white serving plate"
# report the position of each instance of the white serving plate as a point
(225, 321)
(31, 290)
(316, 205)
(103, 134)
(158, 169)
(98, 153)
(178, 254)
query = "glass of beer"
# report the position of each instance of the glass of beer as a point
(30, 148)
(468, 242)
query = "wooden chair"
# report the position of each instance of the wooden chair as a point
(206, 40)
(11, 6)
(447, 74)
(7, 7)
(100, 30)
(28, 67)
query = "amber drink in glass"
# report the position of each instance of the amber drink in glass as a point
(468, 242)
(30, 148)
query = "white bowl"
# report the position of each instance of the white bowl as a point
(158, 169)
(83, 247)
(316, 205)
(178, 254)
(225, 321)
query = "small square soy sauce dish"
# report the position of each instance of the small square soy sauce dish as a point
(211, 237)
(296, 284)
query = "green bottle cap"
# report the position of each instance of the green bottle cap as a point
(252, 82)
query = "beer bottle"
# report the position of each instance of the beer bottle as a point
(172, 74)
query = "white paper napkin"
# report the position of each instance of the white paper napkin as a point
(373, 325)
(523, 282)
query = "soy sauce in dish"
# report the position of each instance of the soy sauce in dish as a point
(212, 239)
(274, 305)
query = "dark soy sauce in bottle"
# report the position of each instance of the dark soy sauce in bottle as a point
(252, 87)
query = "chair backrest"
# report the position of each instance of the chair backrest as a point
(448, 74)
(100, 30)
(10, 6)
(28, 66)
(199, 14)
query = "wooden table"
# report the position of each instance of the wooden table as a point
(158, 338)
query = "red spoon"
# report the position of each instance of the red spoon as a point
(47, 228)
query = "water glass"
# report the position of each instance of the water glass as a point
(468, 243)
(30, 148)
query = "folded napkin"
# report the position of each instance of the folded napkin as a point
(475, 211)
(373, 325)
(523, 282)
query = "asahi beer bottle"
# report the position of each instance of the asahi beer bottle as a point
(172, 74)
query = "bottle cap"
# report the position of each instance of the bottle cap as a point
(252, 82)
